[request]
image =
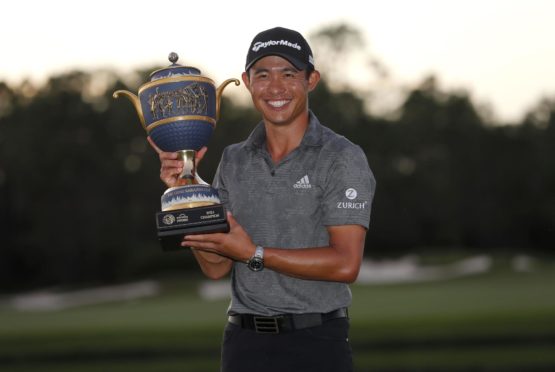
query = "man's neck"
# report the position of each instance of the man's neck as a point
(282, 140)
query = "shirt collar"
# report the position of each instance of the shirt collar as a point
(312, 136)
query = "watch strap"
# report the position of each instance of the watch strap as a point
(259, 252)
(256, 262)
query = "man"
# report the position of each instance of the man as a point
(298, 198)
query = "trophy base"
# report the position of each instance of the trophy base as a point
(173, 225)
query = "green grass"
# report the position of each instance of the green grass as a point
(497, 321)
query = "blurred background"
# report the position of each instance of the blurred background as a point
(452, 102)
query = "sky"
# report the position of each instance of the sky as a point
(500, 52)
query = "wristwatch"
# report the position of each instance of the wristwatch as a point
(256, 262)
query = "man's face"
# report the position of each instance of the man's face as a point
(279, 91)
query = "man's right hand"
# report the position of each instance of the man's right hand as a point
(171, 165)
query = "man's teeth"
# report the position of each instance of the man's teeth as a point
(277, 103)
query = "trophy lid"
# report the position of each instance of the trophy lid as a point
(174, 69)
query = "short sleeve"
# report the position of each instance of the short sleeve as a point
(219, 185)
(349, 189)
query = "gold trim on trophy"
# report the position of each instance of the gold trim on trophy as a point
(174, 80)
(171, 67)
(136, 103)
(208, 119)
(188, 205)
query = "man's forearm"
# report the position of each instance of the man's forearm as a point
(322, 263)
(339, 262)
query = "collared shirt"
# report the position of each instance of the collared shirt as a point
(324, 182)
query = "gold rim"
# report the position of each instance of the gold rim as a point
(207, 119)
(171, 67)
(188, 205)
(175, 80)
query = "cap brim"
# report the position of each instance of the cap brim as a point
(294, 61)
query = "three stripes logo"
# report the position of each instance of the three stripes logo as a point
(303, 183)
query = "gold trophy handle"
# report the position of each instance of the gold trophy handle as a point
(135, 101)
(219, 94)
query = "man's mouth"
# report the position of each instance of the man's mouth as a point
(278, 104)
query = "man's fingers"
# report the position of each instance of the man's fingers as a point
(172, 164)
(231, 220)
(200, 153)
(204, 240)
(162, 154)
(168, 155)
(197, 241)
(153, 145)
(214, 237)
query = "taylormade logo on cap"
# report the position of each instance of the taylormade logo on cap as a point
(264, 44)
(282, 42)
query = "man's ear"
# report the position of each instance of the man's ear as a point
(313, 80)
(246, 80)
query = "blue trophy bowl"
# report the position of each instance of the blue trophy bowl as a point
(182, 134)
(179, 114)
(178, 107)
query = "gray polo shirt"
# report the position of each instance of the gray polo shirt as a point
(325, 181)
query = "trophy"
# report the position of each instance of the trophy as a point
(179, 109)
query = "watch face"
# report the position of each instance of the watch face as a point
(256, 264)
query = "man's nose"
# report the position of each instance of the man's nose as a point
(276, 85)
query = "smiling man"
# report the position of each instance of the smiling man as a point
(299, 199)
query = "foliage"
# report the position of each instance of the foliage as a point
(79, 184)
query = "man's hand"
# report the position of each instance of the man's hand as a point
(172, 165)
(338, 262)
(236, 244)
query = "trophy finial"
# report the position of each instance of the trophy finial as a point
(173, 57)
